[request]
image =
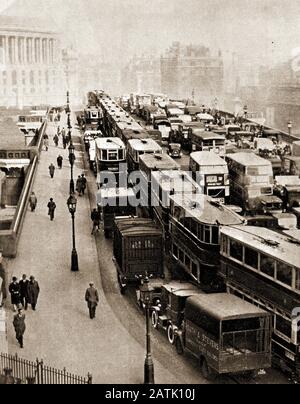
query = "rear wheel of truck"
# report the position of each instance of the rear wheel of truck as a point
(206, 370)
(154, 319)
(171, 334)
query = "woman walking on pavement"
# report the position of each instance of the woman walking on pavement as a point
(60, 161)
(33, 292)
(19, 326)
(51, 170)
(14, 290)
(56, 140)
(32, 201)
(51, 209)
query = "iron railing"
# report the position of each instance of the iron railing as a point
(29, 372)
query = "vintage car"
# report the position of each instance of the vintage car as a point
(169, 313)
(174, 150)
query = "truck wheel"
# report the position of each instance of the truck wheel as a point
(179, 347)
(171, 334)
(154, 319)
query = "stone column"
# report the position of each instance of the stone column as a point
(6, 50)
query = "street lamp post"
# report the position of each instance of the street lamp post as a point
(72, 202)
(72, 159)
(146, 297)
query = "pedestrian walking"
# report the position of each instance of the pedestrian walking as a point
(24, 282)
(96, 218)
(58, 131)
(65, 142)
(51, 209)
(14, 290)
(92, 299)
(20, 327)
(63, 132)
(79, 185)
(32, 201)
(55, 140)
(51, 170)
(60, 161)
(83, 183)
(46, 144)
(33, 292)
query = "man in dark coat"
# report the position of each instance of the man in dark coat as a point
(79, 185)
(56, 140)
(24, 291)
(84, 183)
(51, 209)
(20, 327)
(60, 161)
(33, 290)
(64, 140)
(51, 170)
(92, 299)
(14, 290)
(32, 201)
(95, 217)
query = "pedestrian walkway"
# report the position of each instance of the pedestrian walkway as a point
(60, 331)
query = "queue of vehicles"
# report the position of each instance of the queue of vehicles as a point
(194, 230)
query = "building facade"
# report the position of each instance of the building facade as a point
(31, 70)
(192, 72)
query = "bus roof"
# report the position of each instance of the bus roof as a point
(249, 159)
(137, 227)
(176, 180)
(109, 143)
(144, 145)
(208, 135)
(222, 306)
(207, 158)
(205, 210)
(267, 241)
(159, 162)
(107, 193)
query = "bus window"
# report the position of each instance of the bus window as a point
(121, 154)
(194, 227)
(267, 265)
(104, 154)
(283, 326)
(251, 258)
(175, 251)
(215, 235)
(224, 244)
(187, 261)
(297, 279)
(181, 256)
(207, 234)
(194, 270)
(284, 274)
(236, 250)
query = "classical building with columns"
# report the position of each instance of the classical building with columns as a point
(31, 69)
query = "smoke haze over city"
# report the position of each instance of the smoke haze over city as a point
(258, 30)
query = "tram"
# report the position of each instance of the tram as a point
(194, 227)
(110, 161)
(263, 267)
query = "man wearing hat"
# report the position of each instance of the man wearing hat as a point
(92, 299)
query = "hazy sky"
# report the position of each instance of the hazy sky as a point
(257, 29)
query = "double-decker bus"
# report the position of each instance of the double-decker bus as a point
(263, 267)
(195, 222)
(251, 180)
(138, 147)
(210, 171)
(110, 160)
(150, 163)
(208, 141)
(163, 185)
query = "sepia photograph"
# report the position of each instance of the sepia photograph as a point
(150, 195)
